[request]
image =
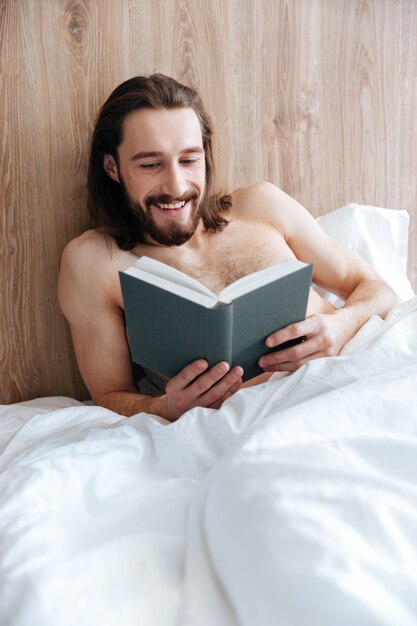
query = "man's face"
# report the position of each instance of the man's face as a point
(162, 172)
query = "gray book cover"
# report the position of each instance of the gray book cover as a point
(167, 331)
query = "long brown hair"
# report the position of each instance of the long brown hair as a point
(106, 204)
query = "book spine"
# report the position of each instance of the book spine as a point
(219, 334)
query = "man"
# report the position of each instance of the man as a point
(150, 179)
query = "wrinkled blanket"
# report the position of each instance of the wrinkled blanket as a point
(294, 504)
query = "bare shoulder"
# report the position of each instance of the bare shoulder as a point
(86, 272)
(90, 247)
(86, 258)
(254, 190)
(264, 201)
(262, 190)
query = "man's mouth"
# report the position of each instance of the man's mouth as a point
(173, 206)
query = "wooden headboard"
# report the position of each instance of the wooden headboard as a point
(316, 96)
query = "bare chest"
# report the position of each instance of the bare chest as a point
(227, 256)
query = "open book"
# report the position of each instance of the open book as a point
(172, 319)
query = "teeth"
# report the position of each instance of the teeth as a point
(177, 205)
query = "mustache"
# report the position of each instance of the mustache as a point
(166, 199)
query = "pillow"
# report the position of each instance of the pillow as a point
(379, 235)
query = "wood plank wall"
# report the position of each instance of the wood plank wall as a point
(317, 96)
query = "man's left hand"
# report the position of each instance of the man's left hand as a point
(324, 334)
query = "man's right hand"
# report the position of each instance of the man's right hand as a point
(191, 387)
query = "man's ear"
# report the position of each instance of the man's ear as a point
(110, 167)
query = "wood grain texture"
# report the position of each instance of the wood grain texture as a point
(317, 96)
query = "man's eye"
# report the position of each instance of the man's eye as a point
(149, 166)
(189, 161)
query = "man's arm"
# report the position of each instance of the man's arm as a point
(87, 299)
(337, 269)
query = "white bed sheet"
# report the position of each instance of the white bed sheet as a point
(294, 504)
(379, 235)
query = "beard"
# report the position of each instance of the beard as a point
(173, 233)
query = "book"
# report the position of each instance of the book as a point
(172, 319)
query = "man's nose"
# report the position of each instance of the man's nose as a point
(174, 184)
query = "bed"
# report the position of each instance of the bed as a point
(294, 504)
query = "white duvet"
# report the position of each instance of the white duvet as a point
(294, 505)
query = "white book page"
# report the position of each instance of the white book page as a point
(172, 280)
(258, 279)
(156, 268)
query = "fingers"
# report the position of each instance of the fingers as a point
(295, 354)
(187, 375)
(292, 366)
(210, 378)
(293, 331)
(194, 386)
(235, 387)
(320, 338)
(225, 388)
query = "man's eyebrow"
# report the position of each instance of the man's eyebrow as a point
(193, 149)
(144, 155)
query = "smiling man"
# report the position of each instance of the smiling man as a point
(150, 193)
(161, 218)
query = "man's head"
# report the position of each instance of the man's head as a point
(151, 164)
